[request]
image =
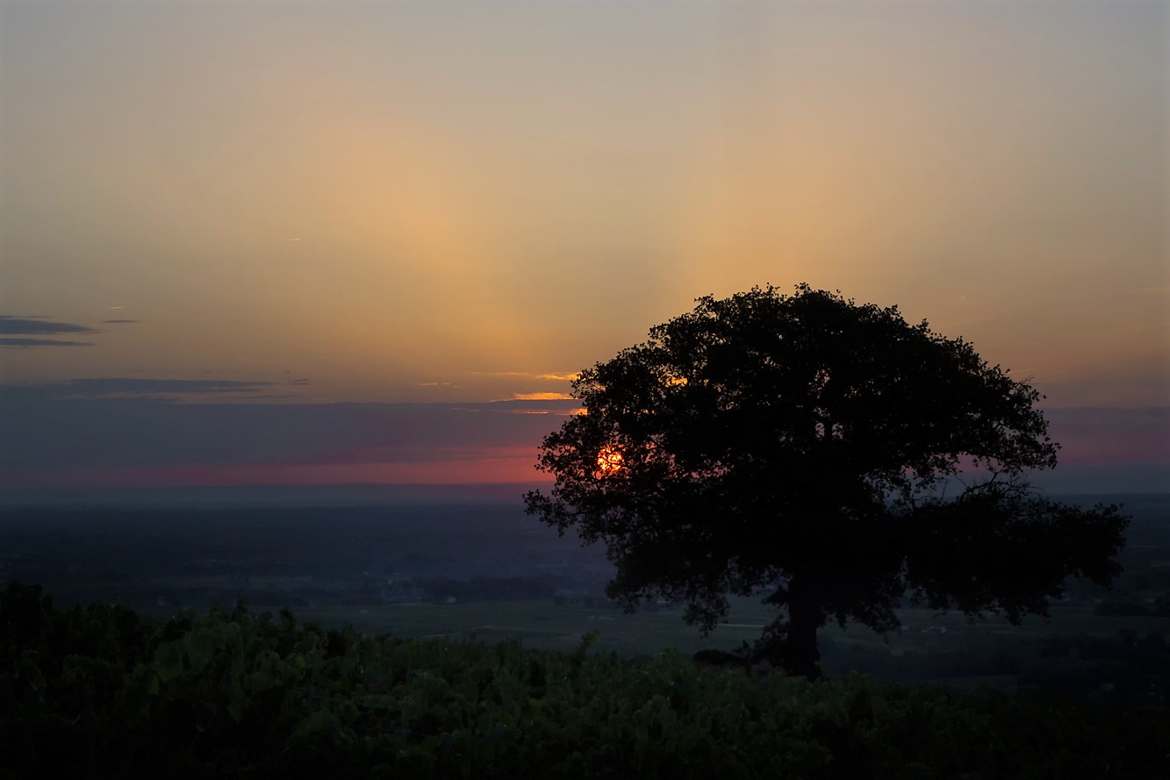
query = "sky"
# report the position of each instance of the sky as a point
(288, 243)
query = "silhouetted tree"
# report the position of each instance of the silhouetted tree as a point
(802, 447)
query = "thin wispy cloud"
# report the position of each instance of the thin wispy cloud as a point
(39, 326)
(22, 343)
(541, 396)
(552, 411)
(138, 388)
(548, 376)
(21, 332)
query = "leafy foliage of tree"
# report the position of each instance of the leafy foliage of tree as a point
(98, 692)
(799, 446)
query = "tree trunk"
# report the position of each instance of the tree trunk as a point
(800, 653)
(791, 642)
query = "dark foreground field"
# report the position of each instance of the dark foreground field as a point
(97, 691)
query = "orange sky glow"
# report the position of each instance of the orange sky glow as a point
(463, 203)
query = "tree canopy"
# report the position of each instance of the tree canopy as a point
(825, 454)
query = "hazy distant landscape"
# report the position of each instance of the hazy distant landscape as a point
(478, 568)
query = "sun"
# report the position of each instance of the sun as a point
(609, 461)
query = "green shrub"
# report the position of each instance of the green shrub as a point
(98, 692)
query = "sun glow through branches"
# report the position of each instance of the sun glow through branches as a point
(609, 461)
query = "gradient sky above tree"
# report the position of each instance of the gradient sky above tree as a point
(466, 202)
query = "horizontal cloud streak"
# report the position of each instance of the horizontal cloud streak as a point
(129, 387)
(23, 343)
(548, 376)
(38, 326)
(487, 467)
